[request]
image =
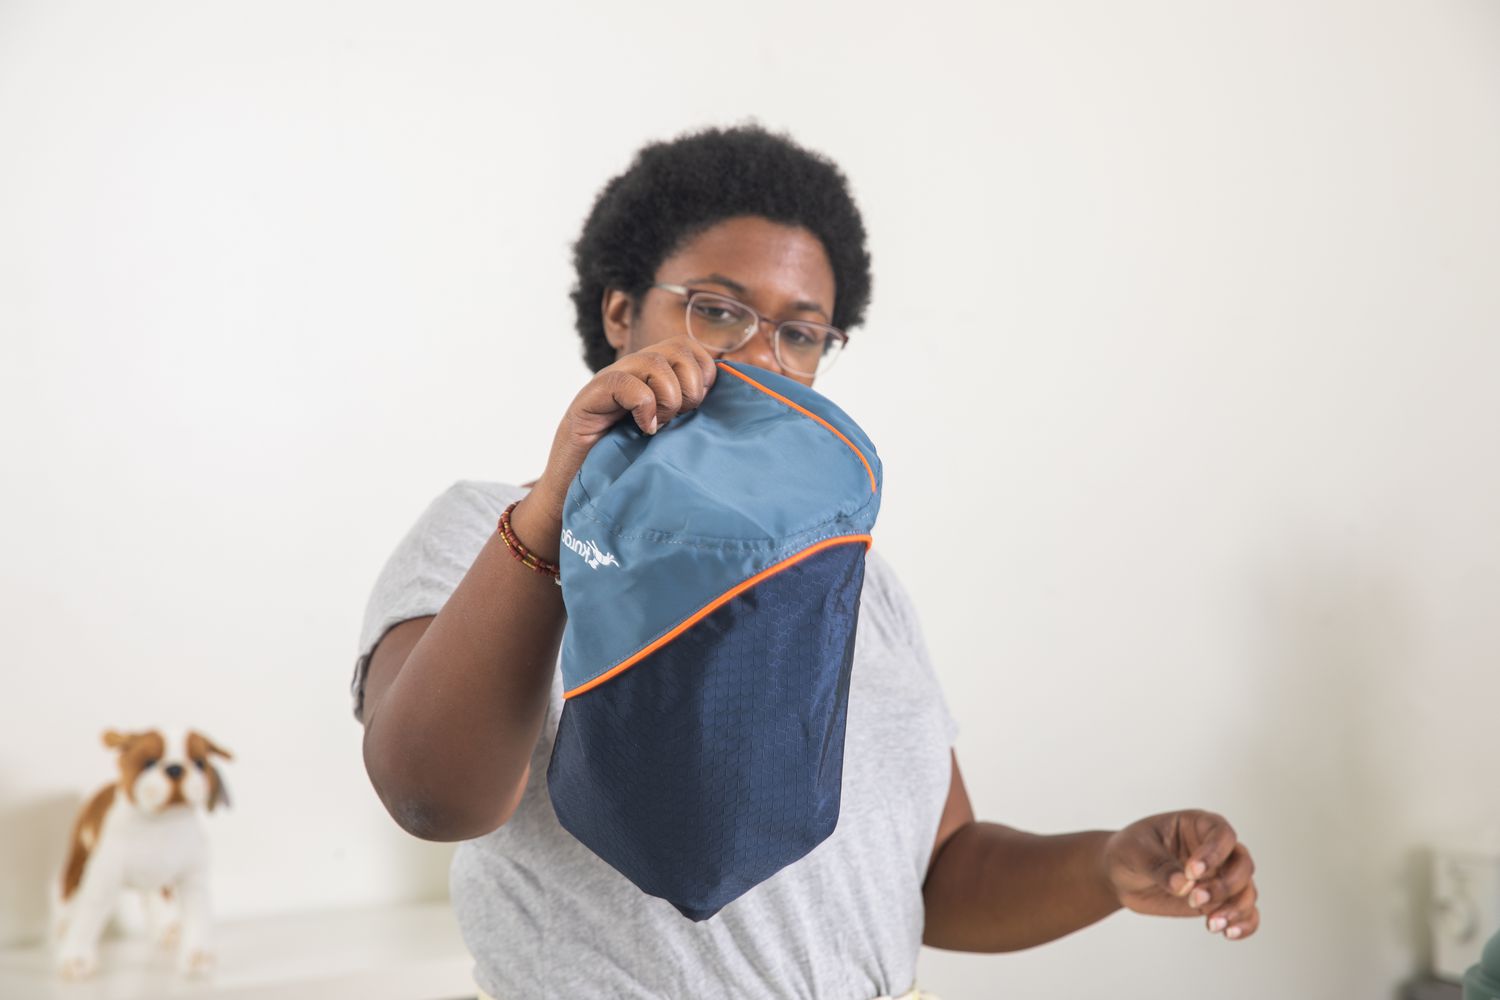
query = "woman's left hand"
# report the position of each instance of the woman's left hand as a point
(1184, 864)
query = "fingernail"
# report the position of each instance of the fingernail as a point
(1187, 887)
(1217, 924)
(1200, 897)
(651, 427)
(1195, 869)
(1233, 932)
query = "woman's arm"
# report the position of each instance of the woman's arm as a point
(454, 702)
(993, 888)
(999, 889)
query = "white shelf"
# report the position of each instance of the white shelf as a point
(410, 952)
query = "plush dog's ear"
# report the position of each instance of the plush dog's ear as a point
(116, 740)
(211, 747)
(220, 793)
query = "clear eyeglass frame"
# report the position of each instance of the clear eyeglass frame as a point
(835, 341)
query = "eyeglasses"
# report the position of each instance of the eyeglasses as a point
(724, 324)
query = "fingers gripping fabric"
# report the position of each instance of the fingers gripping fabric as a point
(712, 576)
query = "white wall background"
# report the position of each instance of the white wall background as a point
(1182, 362)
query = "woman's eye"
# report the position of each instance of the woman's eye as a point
(716, 314)
(803, 339)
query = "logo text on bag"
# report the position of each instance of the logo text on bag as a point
(590, 552)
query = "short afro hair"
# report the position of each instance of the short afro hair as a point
(674, 190)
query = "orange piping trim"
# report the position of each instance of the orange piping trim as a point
(708, 608)
(809, 413)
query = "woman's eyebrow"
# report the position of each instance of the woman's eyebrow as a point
(801, 305)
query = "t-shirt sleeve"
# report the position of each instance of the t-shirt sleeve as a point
(426, 567)
(910, 627)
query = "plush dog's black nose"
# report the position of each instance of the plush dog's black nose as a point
(174, 771)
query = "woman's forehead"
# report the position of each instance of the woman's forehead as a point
(755, 257)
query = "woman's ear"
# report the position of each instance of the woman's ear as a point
(618, 310)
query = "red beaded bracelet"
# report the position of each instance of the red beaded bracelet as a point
(522, 553)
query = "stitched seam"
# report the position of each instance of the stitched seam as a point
(803, 411)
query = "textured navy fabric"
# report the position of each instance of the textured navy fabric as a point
(716, 761)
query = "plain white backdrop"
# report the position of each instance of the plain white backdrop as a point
(1182, 362)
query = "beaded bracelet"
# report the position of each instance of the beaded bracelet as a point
(525, 555)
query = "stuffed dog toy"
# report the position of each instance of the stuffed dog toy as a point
(143, 832)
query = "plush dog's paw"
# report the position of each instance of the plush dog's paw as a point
(77, 965)
(169, 936)
(196, 962)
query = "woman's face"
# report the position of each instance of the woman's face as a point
(778, 270)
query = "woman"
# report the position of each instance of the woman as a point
(459, 693)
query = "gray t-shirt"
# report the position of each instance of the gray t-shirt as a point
(544, 917)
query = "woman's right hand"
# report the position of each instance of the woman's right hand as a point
(652, 385)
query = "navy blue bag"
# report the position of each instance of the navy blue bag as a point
(712, 576)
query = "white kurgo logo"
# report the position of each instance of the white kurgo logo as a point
(590, 552)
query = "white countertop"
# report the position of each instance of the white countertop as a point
(409, 952)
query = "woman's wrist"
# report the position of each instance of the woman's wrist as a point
(1104, 865)
(537, 524)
